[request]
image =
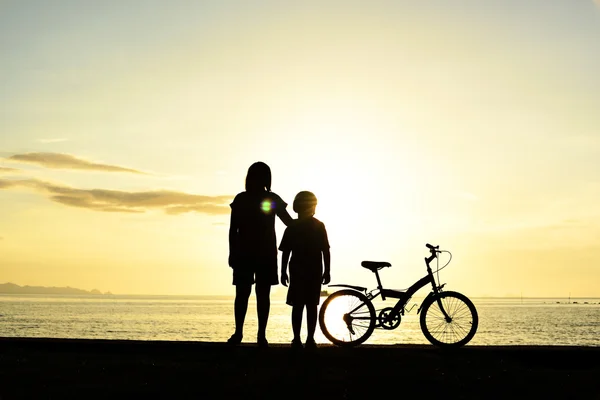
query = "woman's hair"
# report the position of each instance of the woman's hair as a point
(305, 201)
(258, 177)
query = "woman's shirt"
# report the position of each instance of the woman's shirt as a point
(253, 215)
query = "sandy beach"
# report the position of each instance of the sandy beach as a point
(56, 369)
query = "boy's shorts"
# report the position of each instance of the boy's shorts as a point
(303, 292)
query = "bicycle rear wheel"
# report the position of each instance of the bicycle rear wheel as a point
(455, 331)
(347, 318)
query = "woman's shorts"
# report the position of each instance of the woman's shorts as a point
(247, 275)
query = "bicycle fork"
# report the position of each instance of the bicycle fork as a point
(446, 316)
(436, 289)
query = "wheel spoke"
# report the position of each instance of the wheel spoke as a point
(462, 323)
(345, 310)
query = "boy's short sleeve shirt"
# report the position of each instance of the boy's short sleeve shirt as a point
(306, 240)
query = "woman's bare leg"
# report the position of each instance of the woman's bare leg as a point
(263, 306)
(242, 293)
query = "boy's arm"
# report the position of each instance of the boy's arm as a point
(327, 262)
(326, 257)
(285, 257)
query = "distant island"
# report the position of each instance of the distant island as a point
(11, 288)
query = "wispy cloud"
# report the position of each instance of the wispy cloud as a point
(53, 140)
(67, 161)
(171, 202)
(4, 170)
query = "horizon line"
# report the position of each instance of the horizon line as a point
(273, 295)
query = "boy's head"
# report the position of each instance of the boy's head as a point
(305, 203)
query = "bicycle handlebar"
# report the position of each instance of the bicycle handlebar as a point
(434, 252)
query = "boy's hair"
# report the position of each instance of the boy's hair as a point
(258, 177)
(305, 201)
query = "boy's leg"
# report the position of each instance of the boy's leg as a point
(311, 321)
(242, 293)
(297, 320)
(263, 306)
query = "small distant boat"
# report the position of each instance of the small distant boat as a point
(324, 293)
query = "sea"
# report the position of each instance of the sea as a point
(502, 321)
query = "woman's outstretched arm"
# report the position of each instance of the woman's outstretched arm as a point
(285, 217)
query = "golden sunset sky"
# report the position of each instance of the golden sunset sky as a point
(126, 128)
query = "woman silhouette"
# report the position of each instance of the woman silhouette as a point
(253, 247)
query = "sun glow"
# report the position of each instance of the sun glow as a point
(338, 155)
(382, 111)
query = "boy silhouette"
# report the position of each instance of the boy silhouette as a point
(306, 240)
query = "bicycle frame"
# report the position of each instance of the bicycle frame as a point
(403, 297)
(448, 319)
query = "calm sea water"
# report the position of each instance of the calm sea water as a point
(502, 321)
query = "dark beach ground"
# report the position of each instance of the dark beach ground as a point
(92, 369)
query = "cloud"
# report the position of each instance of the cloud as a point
(53, 140)
(171, 202)
(67, 161)
(4, 170)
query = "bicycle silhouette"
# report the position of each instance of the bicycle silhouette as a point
(448, 319)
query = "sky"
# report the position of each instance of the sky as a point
(126, 129)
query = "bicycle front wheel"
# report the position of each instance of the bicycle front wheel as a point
(347, 318)
(456, 327)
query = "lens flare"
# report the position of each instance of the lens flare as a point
(266, 206)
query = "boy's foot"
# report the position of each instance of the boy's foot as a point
(297, 344)
(262, 342)
(310, 344)
(235, 339)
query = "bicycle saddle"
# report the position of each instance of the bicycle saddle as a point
(375, 265)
